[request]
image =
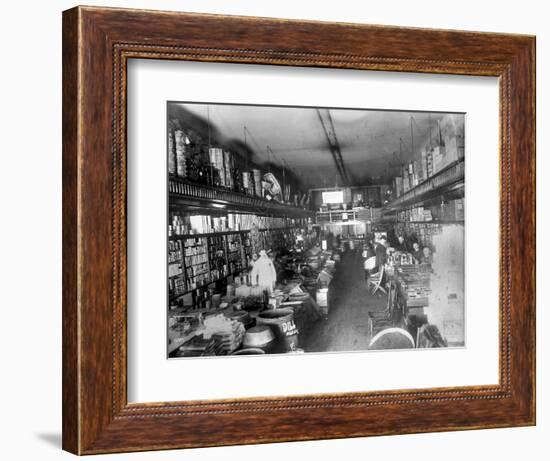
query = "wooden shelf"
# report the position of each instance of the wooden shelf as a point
(213, 234)
(206, 234)
(183, 192)
(432, 222)
(335, 216)
(226, 252)
(189, 290)
(444, 181)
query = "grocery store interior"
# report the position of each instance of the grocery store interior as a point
(307, 230)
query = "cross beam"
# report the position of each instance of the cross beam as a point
(330, 133)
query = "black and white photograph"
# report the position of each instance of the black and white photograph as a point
(297, 230)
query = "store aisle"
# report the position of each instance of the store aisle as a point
(346, 328)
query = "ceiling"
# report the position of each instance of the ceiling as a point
(372, 144)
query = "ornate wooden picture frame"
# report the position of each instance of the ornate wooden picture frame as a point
(97, 44)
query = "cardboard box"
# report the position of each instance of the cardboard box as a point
(438, 158)
(423, 169)
(429, 164)
(451, 149)
(459, 209)
(398, 186)
(321, 297)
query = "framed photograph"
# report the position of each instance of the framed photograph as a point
(280, 230)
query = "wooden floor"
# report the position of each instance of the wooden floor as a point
(346, 328)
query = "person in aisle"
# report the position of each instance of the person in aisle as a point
(263, 272)
(401, 244)
(367, 253)
(417, 253)
(392, 238)
(330, 239)
(427, 257)
(381, 253)
(368, 249)
(345, 247)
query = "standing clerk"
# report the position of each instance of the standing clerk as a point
(381, 253)
(402, 245)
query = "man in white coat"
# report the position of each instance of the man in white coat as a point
(263, 272)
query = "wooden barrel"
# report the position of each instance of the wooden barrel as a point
(281, 321)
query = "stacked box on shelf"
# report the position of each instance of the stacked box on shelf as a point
(460, 146)
(423, 231)
(206, 224)
(406, 184)
(217, 256)
(171, 153)
(234, 253)
(376, 214)
(438, 158)
(364, 214)
(417, 173)
(246, 250)
(423, 173)
(454, 210)
(451, 149)
(191, 156)
(415, 282)
(257, 179)
(459, 209)
(428, 215)
(398, 186)
(181, 154)
(429, 164)
(216, 161)
(177, 286)
(448, 211)
(197, 271)
(175, 252)
(176, 282)
(228, 169)
(410, 170)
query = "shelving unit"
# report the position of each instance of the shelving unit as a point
(195, 262)
(448, 179)
(209, 258)
(277, 238)
(449, 182)
(434, 221)
(183, 192)
(335, 216)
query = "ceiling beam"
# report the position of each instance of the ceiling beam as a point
(337, 150)
(332, 140)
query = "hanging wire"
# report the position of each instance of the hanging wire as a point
(246, 147)
(430, 128)
(412, 137)
(209, 146)
(402, 144)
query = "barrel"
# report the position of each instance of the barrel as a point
(249, 351)
(281, 321)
